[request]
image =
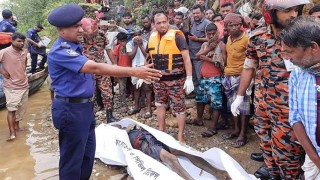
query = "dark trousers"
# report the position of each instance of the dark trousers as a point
(34, 60)
(77, 141)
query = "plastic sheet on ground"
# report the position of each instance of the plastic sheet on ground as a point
(113, 147)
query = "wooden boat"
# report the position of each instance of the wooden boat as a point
(35, 82)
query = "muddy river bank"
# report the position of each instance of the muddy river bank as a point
(35, 153)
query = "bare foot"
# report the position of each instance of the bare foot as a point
(182, 142)
(181, 139)
(11, 138)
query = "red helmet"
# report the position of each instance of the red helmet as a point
(269, 5)
(89, 25)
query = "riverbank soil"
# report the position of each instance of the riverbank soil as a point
(35, 153)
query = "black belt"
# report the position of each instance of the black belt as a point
(173, 77)
(74, 99)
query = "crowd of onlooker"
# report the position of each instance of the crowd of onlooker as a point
(239, 69)
(193, 23)
(231, 45)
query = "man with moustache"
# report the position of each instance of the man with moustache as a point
(72, 79)
(301, 43)
(146, 27)
(178, 22)
(196, 38)
(169, 53)
(236, 53)
(226, 8)
(127, 23)
(281, 152)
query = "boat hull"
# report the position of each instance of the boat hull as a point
(35, 82)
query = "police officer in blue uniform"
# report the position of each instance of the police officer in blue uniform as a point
(6, 26)
(35, 48)
(73, 82)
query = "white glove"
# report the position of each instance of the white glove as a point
(188, 85)
(235, 105)
(139, 83)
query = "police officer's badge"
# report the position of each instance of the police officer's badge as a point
(72, 52)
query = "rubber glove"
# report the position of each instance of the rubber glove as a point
(139, 83)
(235, 105)
(188, 85)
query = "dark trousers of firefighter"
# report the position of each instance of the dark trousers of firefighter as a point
(104, 85)
(282, 154)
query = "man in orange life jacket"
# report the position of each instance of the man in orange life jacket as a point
(169, 53)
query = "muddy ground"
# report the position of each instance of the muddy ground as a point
(42, 141)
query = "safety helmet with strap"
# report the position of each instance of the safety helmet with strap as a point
(269, 7)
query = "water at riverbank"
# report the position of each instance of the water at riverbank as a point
(17, 161)
(34, 154)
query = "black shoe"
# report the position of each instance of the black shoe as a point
(110, 118)
(257, 157)
(263, 174)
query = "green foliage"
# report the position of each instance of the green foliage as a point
(32, 12)
(128, 3)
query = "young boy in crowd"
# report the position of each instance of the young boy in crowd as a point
(122, 59)
(136, 49)
(210, 87)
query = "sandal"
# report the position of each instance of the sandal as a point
(147, 115)
(240, 142)
(133, 111)
(195, 122)
(229, 136)
(209, 132)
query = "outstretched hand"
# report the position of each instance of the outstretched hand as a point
(148, 73)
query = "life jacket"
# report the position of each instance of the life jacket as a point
(5, 38)
(165, 54)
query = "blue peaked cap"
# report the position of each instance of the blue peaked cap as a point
(66, 15)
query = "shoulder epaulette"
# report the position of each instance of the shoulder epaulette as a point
(65, 45)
